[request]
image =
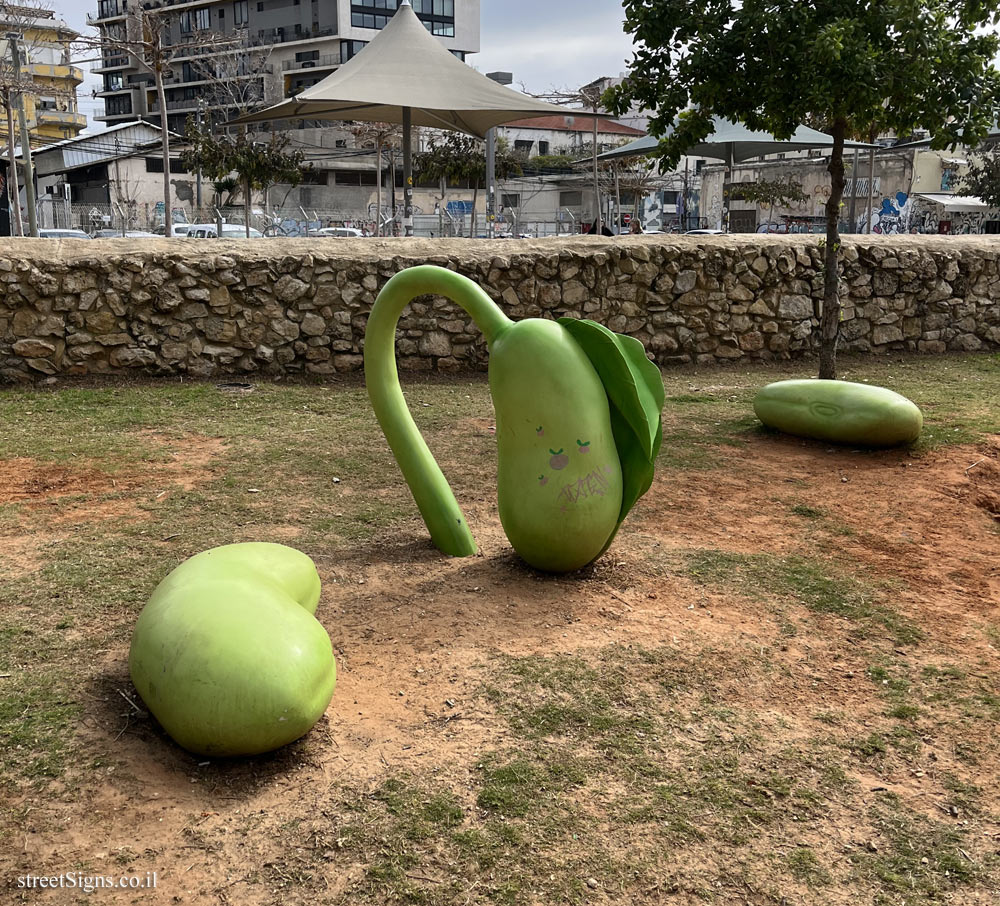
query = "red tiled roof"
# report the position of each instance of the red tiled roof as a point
(574, 122)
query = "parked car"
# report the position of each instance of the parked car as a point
(229, 231)
(178, 229)
(704, 233)
(338, 232)
(129, 234)
(62, 234)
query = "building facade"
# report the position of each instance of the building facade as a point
(50, 103)
(906, 188)
(285, 46)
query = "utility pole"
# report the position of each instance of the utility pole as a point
(17, 227)
(13, 38)
(853, 209)
(501, 78)
(198, 176)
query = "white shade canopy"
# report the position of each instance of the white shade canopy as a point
(404, 66)
(734, 142)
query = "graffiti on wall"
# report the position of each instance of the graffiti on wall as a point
(892, 216)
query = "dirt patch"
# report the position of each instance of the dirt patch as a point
(49, 499)
(417, 635)
(24, 480)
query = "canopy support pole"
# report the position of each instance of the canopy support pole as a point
(407, 173)
(727, 185)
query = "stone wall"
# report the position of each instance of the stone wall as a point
(205, 308)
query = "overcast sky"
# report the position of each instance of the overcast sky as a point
(546, 44)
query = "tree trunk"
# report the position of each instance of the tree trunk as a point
(168, 214)
(378, 191)
(597, 187)
(246, 206)
(830, 322)
(15, 192)
(472, 218)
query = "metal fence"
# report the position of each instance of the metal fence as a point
(55, 212)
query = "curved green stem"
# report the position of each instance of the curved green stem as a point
(430, 489)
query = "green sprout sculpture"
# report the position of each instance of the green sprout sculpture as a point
(839, 411)
(577, 424)
(227, 654)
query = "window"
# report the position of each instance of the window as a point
(307, 56)
(240, 12)
(119, 105)
(155, 165)
(543, 147)
(222, 13)
(524, 145)
(113, 82)
(260, 7)
(510, 200)
(203, 19)
(438, 16)
(349, 49)
(313, 177)
(185, 23)
(570, 199)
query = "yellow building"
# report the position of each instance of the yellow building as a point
(45, 57)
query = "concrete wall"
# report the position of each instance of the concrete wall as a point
(205, 308)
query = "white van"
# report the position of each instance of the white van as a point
(229, 231)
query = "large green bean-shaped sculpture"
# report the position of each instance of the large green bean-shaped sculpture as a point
(577, 424)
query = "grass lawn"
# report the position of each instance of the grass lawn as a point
(781, 685)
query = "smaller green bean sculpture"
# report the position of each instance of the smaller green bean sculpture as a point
(577, 424)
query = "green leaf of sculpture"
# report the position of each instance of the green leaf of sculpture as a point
(632, 382)
(635, 391)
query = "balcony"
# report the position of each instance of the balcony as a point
(60, 118)
(55, 71)
(109, 64)
(280, 36)
(324, 61)
(117, 11)
(200, 78)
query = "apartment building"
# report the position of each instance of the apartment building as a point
(50, 104)
(285, 45)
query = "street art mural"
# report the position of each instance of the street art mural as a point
(891, 217)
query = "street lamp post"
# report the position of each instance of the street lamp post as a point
(501, 78)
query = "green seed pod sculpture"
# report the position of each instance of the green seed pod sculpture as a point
(227, 654)
(577, 424)
(839, 411)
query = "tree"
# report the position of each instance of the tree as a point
(769, 192)
(382, 136)
(772, 63)
(983, 177)
(457, 158)
(146, 37)
(24, 23)
(256, 164)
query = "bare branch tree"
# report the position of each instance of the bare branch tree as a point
(30, 20)
(146, 37)
(381, 136)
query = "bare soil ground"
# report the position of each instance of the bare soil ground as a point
(780, 686)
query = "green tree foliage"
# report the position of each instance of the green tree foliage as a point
(771, 64)
(458, 158)
(983, 177)
(257, 165)
(770, 192)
